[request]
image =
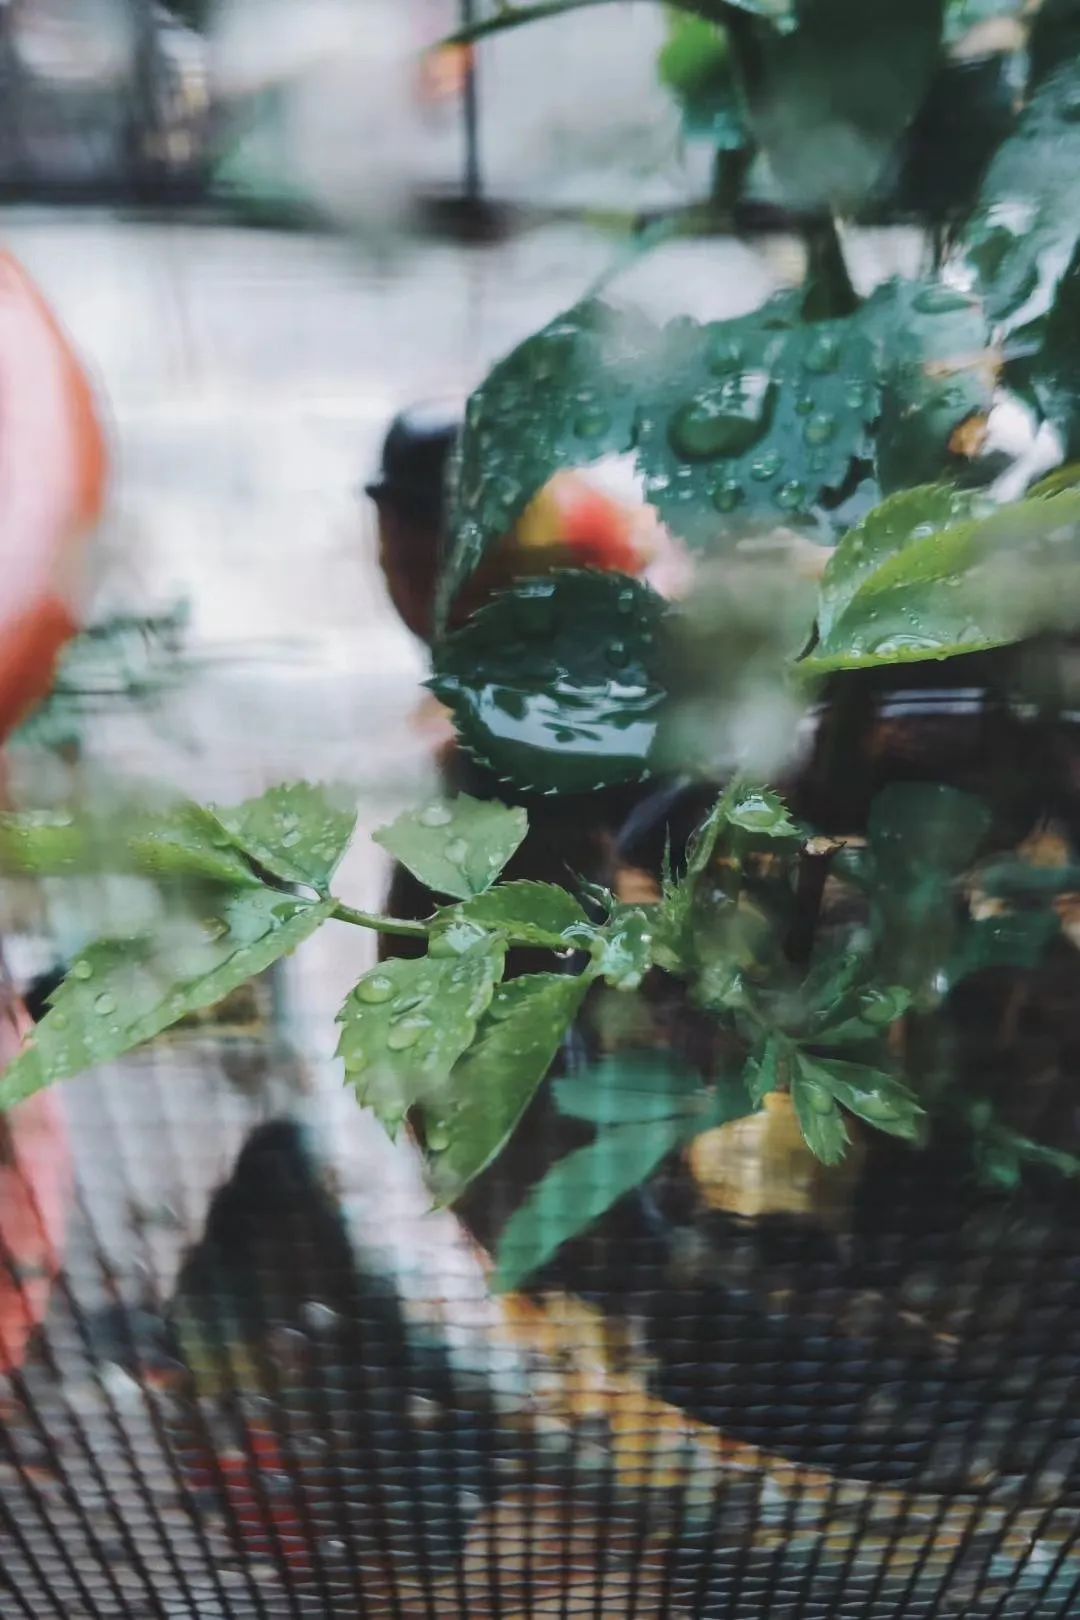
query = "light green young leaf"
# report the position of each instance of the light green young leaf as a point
(180, 841)
(120, 993)
(632, 1088)
(529, 913)
(579, 1189)
(456, 846)
(911, 515)
(623, 949)
(875, 1096)
(407, 1023)
(495, 1081)
(820, 1120)
(298, 832)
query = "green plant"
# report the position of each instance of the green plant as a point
(851, 423)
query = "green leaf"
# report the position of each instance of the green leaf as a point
(1025, 227)
(176, 842)
(754, 419)
(578, 1190)
(1019, 939)
(623, 949)
(937, 372)
(862, 1017)
(768, 1068)
(530, 913)
(554, 686)
(829, 101)
(985, 583)
(912, 515)
(760, 812)
(561, 399)
(631, 1088)
(871, 1094)
(495, 1081)
(298, 832)
(120, 993)
(820, 1120)
(695, 66)
(456, 846)
(407, 1023)
(1054, 372)
(925, 828)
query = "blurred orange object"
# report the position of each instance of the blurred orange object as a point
(444, 73)
(52, 488)
(572, 524)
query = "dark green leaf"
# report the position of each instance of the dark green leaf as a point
(554, 685)
(768, 1069)
(970, 108)
(456, 846)
(980, 584)
(829, 101)
(631, 1088)
(937, 373)
(298, 832)
(529, 913)
(1018, 939)
(862, 1017)
(753, 419)
(562, 399)
(912, 515)
(878, 1098)
(918, 828)
(120, 993)
(408, 1022)
(578, 1190)
(1054, 372)
(1027, 222)
(495, 1081)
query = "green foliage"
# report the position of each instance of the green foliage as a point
(1025, 227)
(754, 418)
(123, 992)
(973, 585)
(456, 846)
(297, 833)
(631, 1089)
(542, 704)
(582, 364)
(538, 914)
(696, 67)
(829, 100)
(499, 1076)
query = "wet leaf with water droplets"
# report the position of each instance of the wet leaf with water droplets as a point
(753, 419)
(498, 1077)
(298, 832)
(561, 399)
(407, 1023)
(574, 710)
(873, 1095)
(540, 914)
(124, 992)
(457, 846)
(177, 842)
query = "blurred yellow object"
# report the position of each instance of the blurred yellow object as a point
(761, 1165)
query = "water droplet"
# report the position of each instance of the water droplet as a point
(820, 428)
(457, 850)
(724, 420)
(290, 840)
(791, 496)
(818, 1098)
(406, 1034)
(592, 423)
(855, 395)
(823, 354)
(727, 495)
(436, 815)
(873, 1106)
(82, 970)
(766, 466)
(104, 1004)
(377, 988)
(438, 1136)
(625, 603)
(939, 300)
(804, 406)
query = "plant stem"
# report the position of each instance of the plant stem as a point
(382, 925)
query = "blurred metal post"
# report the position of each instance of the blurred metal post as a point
(473, 178)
